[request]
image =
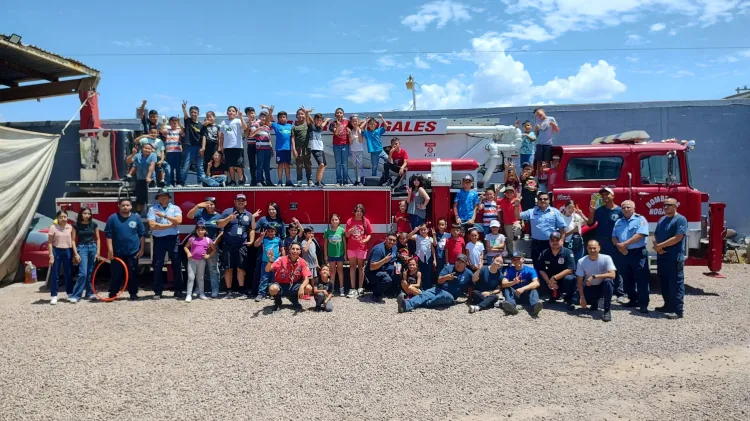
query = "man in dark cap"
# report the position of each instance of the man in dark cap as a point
(454, 281)
(164, 218)
(520, 285)
(556, 267)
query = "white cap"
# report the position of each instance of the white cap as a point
(495, 223)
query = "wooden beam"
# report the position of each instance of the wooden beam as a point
(8, 83)
(27, 70)
(46, 90)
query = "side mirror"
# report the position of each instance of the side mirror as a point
(671, 168)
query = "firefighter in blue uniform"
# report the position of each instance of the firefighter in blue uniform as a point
(629, 236)
(669, 244)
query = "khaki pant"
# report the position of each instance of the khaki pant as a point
(303, 161)
(511, 232)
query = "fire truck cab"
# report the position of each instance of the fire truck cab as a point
(642, 171)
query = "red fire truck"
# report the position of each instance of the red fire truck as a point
(645, 172)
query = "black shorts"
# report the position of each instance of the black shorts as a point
(233, 257)
(234, 157)
(141, 192)
(543, 153)
(320, 157)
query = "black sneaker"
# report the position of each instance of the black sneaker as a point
(309, 183)
(160, 184)
(276, 308)
(242, 182)
(288, 184)
(607, 316)
(537, 308)
(229, 295)
(321, 184)
(570, 306)
(662, 309)
(631, 304)
(280, 184)
(268, 184)
(593, 308)
(673, 316)
(133, 298)
(298, 307)
(643, 310)
(509, 308)
(231, 184)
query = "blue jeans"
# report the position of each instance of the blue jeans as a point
(190, 155)
(174, 162)
(168, 244)
(381, 281)
(375, 158)
(288, 291)
(530, 297)
(431, 298)
(635, 275)
(265, 280)
(611, 251)
(62, 257)
(415, 220)
(214, 181)
(440, 263)
(672, 280)
(603, 290)
(341, 155)
(85, 270)
(263, 165)
(213, 271)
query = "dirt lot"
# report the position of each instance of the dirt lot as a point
(227, 360)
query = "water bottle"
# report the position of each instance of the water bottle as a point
(29, 273)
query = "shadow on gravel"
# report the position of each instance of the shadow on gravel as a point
(699, 291)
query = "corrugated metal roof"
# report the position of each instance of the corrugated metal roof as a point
(25, 63)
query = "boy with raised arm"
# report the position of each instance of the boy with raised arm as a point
(284, 145)
(315, 127)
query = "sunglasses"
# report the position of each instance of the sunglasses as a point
(668, 205)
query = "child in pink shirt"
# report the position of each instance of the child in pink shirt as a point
(198, 249)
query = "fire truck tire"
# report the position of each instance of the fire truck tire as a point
(372, 181)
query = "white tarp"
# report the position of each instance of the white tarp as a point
(26, 160)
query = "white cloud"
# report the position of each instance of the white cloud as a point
(635, 39)
(360, 89)
(561, 16)
(657, 27)
(683, 73)
(528, 31)
(440, 58)
(137, 42)
(388, 61)
(501, 80)
(591, 83)
(419, 63)
(440, 12)
(672, 32)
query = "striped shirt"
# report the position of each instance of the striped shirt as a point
(263, 138)
(251, 127)
(490, 212)
(172, 143)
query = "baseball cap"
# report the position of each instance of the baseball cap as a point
(272, 226)
(526, 164)
(468, 177)
(263, 113)
(509, 188)
(463, 258)
(162, 191)
(606, 190)
(240, 196)
(153, 112)
(517, 254)
(556, 235)
(200, 224)
(210, 199)
(494, 224)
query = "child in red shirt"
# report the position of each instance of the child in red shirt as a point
(454, 245)
(402, 218)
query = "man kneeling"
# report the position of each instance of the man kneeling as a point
(291, 277)
(522, 287)
(453, 281)
(596, 273)
(486, 290)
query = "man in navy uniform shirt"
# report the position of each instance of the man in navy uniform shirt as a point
(556, 268)
(629, 236)
(669, 244)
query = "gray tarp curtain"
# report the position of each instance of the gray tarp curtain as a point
(26, 160)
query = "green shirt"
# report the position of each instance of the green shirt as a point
(335, 241)
(301, 140)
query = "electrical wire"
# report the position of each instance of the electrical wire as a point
(366, 53)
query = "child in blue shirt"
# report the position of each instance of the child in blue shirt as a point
(284, 145)
(373, 135)
(269, 241)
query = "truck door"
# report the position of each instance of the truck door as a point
(660, 177)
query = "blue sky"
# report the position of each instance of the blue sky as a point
(464, 54)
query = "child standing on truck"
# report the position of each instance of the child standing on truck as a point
(315, 128)
(356, 148)
(527, 142)
(230, 142)
(340, 146)
(173, 149)
(284, 146)
(373, 135)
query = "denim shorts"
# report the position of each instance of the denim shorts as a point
(336, 259)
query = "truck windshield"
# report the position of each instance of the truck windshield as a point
(593, 168)
(654, 170)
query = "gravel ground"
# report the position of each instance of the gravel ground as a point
(227, 360)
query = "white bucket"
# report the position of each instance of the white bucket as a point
(442, 172)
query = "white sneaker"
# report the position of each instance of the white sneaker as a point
(352, 293)
(72, 300)
(473, 309)
(203, 297)
(361, 291)
(341, 293)
(188, 299)
(53, 301)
